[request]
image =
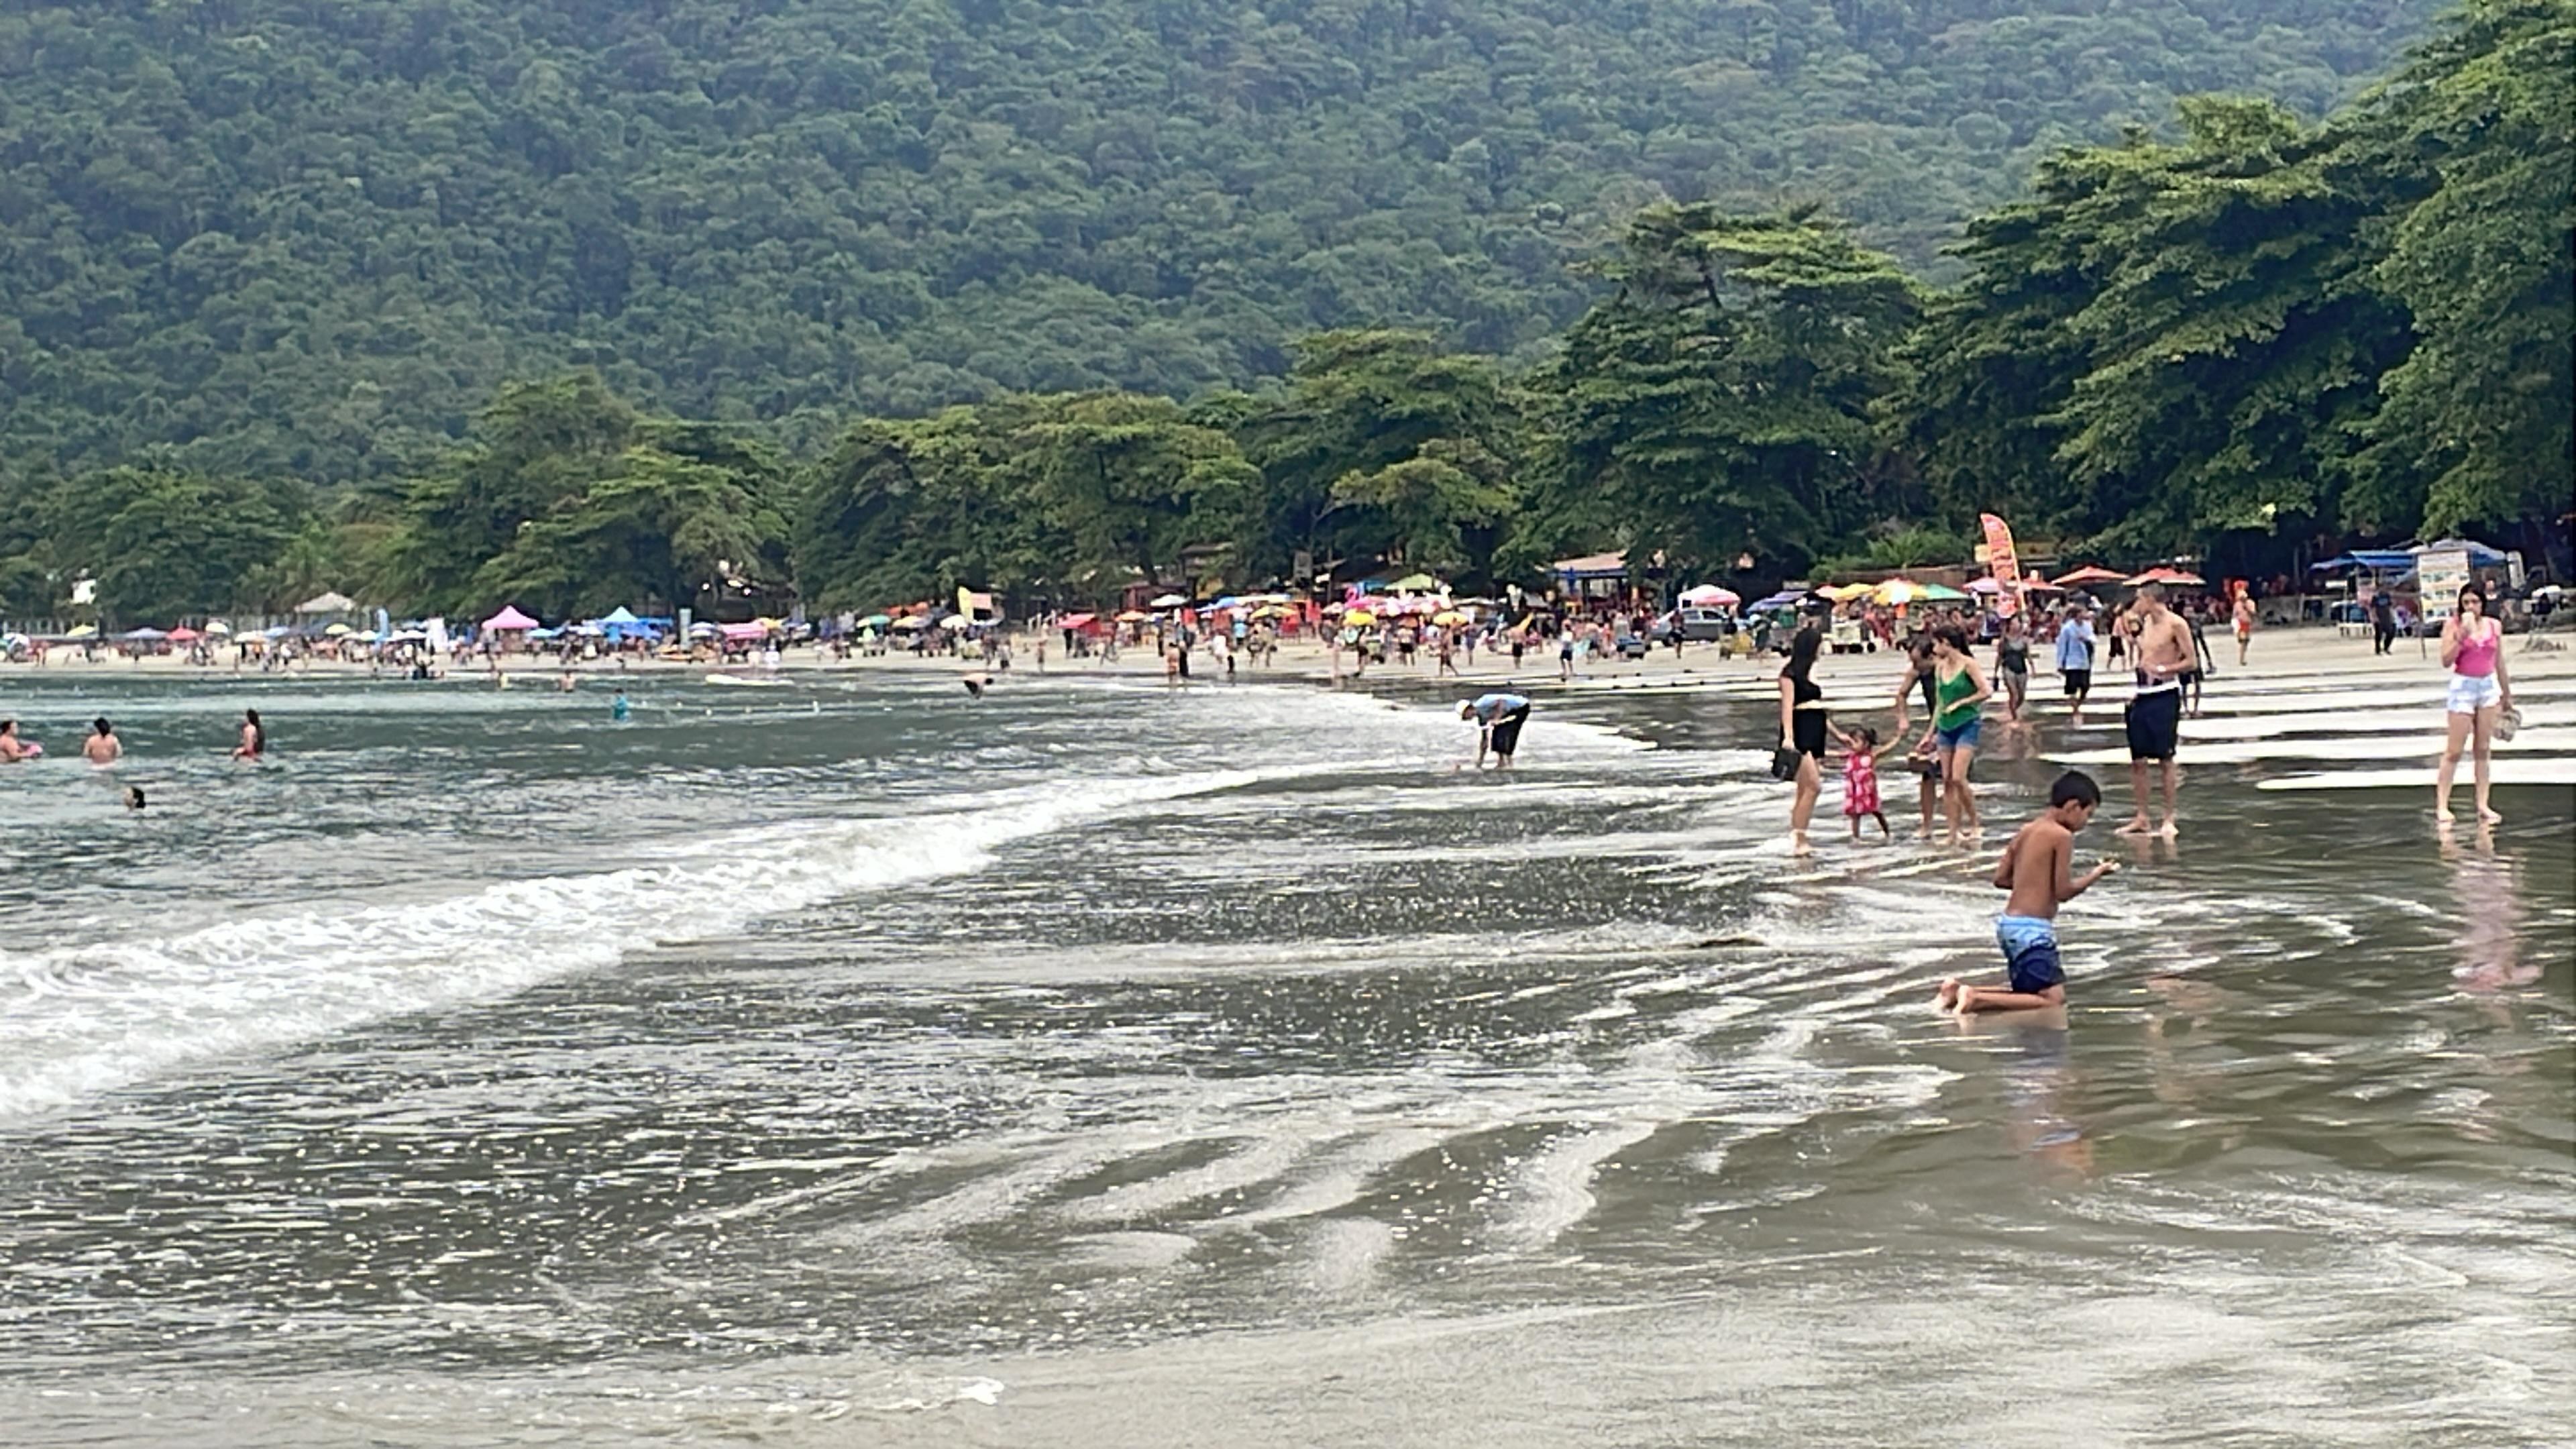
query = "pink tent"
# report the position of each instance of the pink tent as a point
(1711, 596)
(509, 618)
(744, 631)
(185, 635)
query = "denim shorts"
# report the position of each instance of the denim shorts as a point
(2473, 692)
(1965, 736)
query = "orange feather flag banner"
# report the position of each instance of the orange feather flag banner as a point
(2004, 564)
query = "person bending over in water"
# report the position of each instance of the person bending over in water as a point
(12, 748)
(1499, 718)
(102, 747)
(2039, 869)
(254, 737)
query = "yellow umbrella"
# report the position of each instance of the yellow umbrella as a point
(336, 630)
(1359, 616)
(1897, 591)
(1448, 618)
(80, 631)
(1845, 593)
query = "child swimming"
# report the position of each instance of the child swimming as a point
(2038, 869)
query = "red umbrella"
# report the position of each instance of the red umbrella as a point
(2089, 574)
(2176, 577)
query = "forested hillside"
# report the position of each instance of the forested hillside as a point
(311, 237)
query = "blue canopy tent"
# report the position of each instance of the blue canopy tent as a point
(1785, 599)
(2386, 560)
(2378, 560)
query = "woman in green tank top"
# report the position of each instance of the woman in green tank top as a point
(1959, 692)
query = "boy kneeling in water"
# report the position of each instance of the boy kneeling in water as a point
(2039, 869)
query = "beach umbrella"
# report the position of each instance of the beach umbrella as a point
(332, 631)
(2179, 578)
(911, 622)
(1941, 594)
(1711, 596)
(2037, 585)
(1133, 616)
(1985, 585)
(876, 621)
(1358, 616)
(1169, 601)
(702, 630)
(1897, 591)
(2089, 574)
(1415, 583)
(147, 633)
(619, 615)
(327, 603)
(1449, 618)
(509, 619)
(1842, 593)
(218, 626)
(185, 635)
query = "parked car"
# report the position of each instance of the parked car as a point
(1697, 626)
(1631, 647)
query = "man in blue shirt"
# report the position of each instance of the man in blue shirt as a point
(1499, 717)
(2075, 658)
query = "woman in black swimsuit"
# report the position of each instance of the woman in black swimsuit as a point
(2012, 665)
(1802, 728)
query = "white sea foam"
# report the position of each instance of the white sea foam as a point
(90, 1018)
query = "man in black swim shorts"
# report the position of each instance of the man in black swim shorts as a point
(2154, 716)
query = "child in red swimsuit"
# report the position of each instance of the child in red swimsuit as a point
(1860, 778)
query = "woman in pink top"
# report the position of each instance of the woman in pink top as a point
(2473, 650)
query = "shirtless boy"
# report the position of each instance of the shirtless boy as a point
(2039, 869)
(2154, 716)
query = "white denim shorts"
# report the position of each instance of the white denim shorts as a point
(2473, 692)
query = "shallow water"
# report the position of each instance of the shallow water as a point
(1092, 1064)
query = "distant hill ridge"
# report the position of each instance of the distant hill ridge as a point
(311, 236)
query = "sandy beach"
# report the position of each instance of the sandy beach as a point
(2277, 652)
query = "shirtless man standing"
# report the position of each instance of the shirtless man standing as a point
(102, 747)
(2154, 716)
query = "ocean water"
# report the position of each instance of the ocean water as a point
(859, 1063)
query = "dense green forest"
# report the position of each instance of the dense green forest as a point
(311, 237)
(2232, 334)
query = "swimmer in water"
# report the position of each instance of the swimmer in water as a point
(102, 747)
(133, 797)
(2038, 868)
(617, 707)
(13, 749)
(254, 737)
